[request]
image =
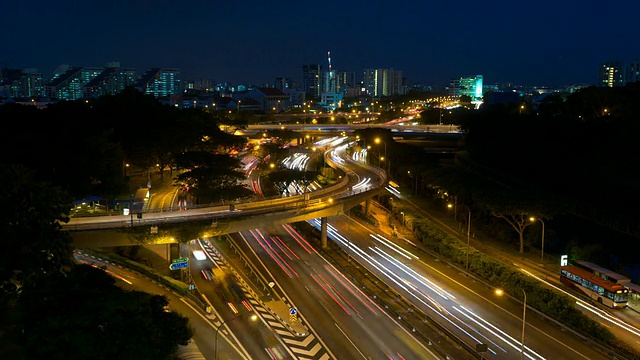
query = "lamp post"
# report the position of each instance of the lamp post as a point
(416, 180)
(532, 219)
(468, 232)
(378, 141)
(500, 292)
(253, 317)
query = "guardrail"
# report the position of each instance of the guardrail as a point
(312, 201)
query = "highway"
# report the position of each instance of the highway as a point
(345, 321)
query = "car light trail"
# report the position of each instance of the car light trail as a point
(299, 238)
(272, 254)
(394, 247)
(331, 295)
(342, 279)
(418, 277)
(593, 309)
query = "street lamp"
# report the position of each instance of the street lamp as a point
(402, 213)
(532, 219)
(253, 317)
(378, 141)
(416, 179)
(500, 292)
(468, 232)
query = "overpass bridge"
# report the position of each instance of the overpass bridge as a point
(399, 130)
(358, 184)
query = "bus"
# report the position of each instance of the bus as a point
(603, 291)
(603, 273)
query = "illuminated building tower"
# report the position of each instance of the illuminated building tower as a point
(470, 86)
(110, 82)
(382, 82)
(345, 80)
(611, 74)
(25, 83)
(331, 98)
(311, 80)
(160, 82)
(68, 85)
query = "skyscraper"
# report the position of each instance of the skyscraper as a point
(383, 82)
(68, 85)
(25, 83)
(160, 82)
(110, 81)
(311, 76)
(611, 74)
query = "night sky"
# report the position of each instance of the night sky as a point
(550, 43)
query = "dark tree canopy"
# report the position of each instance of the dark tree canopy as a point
(84, 315)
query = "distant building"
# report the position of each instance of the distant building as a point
(382, 82)
(283, 83)
(311, 80)
(611, 74)
(25, 83)
(160, 82)
(111, 81)
(271, 99)
(68, 85)
(501, 97)
(470, 86)
(633, 72)
(296, 96)
(346, 80)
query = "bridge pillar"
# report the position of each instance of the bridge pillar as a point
(366, 207)
(323, 232)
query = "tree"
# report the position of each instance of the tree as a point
(84, 315)
(516, 205)
(212, 177)
(33, 246)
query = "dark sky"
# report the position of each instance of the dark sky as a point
(551, 43)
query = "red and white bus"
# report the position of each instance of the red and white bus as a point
(603, 291)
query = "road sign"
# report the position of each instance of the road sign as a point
(179, 260)
(293, 311)
(180, 265)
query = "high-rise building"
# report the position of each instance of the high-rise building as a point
(346, 80)
(110, 81)
(611, 74)
(68, 85)
(470, 86)
(25, 83)
(382, 82)
(311, 80)
(283, 83)
(633, 72)
(160, 82)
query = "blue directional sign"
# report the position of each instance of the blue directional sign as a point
(179, 265)
(293, 311)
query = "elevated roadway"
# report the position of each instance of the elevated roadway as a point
(359, 183)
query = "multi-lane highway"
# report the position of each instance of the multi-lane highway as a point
(346, 321)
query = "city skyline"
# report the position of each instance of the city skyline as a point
(255, 42)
